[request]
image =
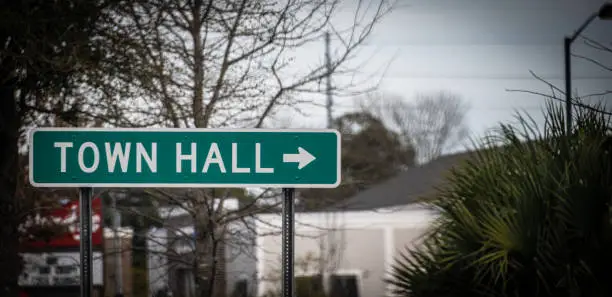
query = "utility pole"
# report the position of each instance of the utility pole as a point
(328, 90)
(117, 247)
(326, 241)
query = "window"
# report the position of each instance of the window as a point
(44, 270)
(346, 285)
(241, 288)
(65, 269)
(51, 260)
(185, 283)
(309, 286)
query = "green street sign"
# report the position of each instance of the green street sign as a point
(119, 157)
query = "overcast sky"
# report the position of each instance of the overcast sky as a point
(477, 49)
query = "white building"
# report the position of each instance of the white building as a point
(170, 251)
(370, 230)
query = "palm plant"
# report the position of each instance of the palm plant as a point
(528, 215)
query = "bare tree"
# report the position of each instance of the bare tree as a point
(604, 53)
(201, 63)
(216, 63)
(46, 46)
(224, 64)
(432, 123)
(206, 63)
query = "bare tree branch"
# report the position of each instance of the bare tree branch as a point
(432, 123)
(209, 63)
(555, 89)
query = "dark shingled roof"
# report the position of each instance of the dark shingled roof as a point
(405, 188)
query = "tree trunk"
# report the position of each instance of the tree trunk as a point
(10, 260)
(209, 262)
(201, 254)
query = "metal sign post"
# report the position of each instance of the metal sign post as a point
(85, 196)
(288, 287)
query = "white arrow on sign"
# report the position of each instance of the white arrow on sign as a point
(303, 158)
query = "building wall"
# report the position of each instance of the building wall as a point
(368, 243)
(240, 256)
(236, 262)
(157, 261)
(42, 269)
(406, 238)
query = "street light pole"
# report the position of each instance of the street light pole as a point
(604, 13)
(567, 44)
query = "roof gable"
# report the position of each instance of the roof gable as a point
(406, 187)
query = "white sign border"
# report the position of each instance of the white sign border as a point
(30, 141)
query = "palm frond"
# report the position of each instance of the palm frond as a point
(528, 215)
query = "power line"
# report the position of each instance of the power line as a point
(482, 76)
(397, 42)
(475, 107)
(328, 81)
